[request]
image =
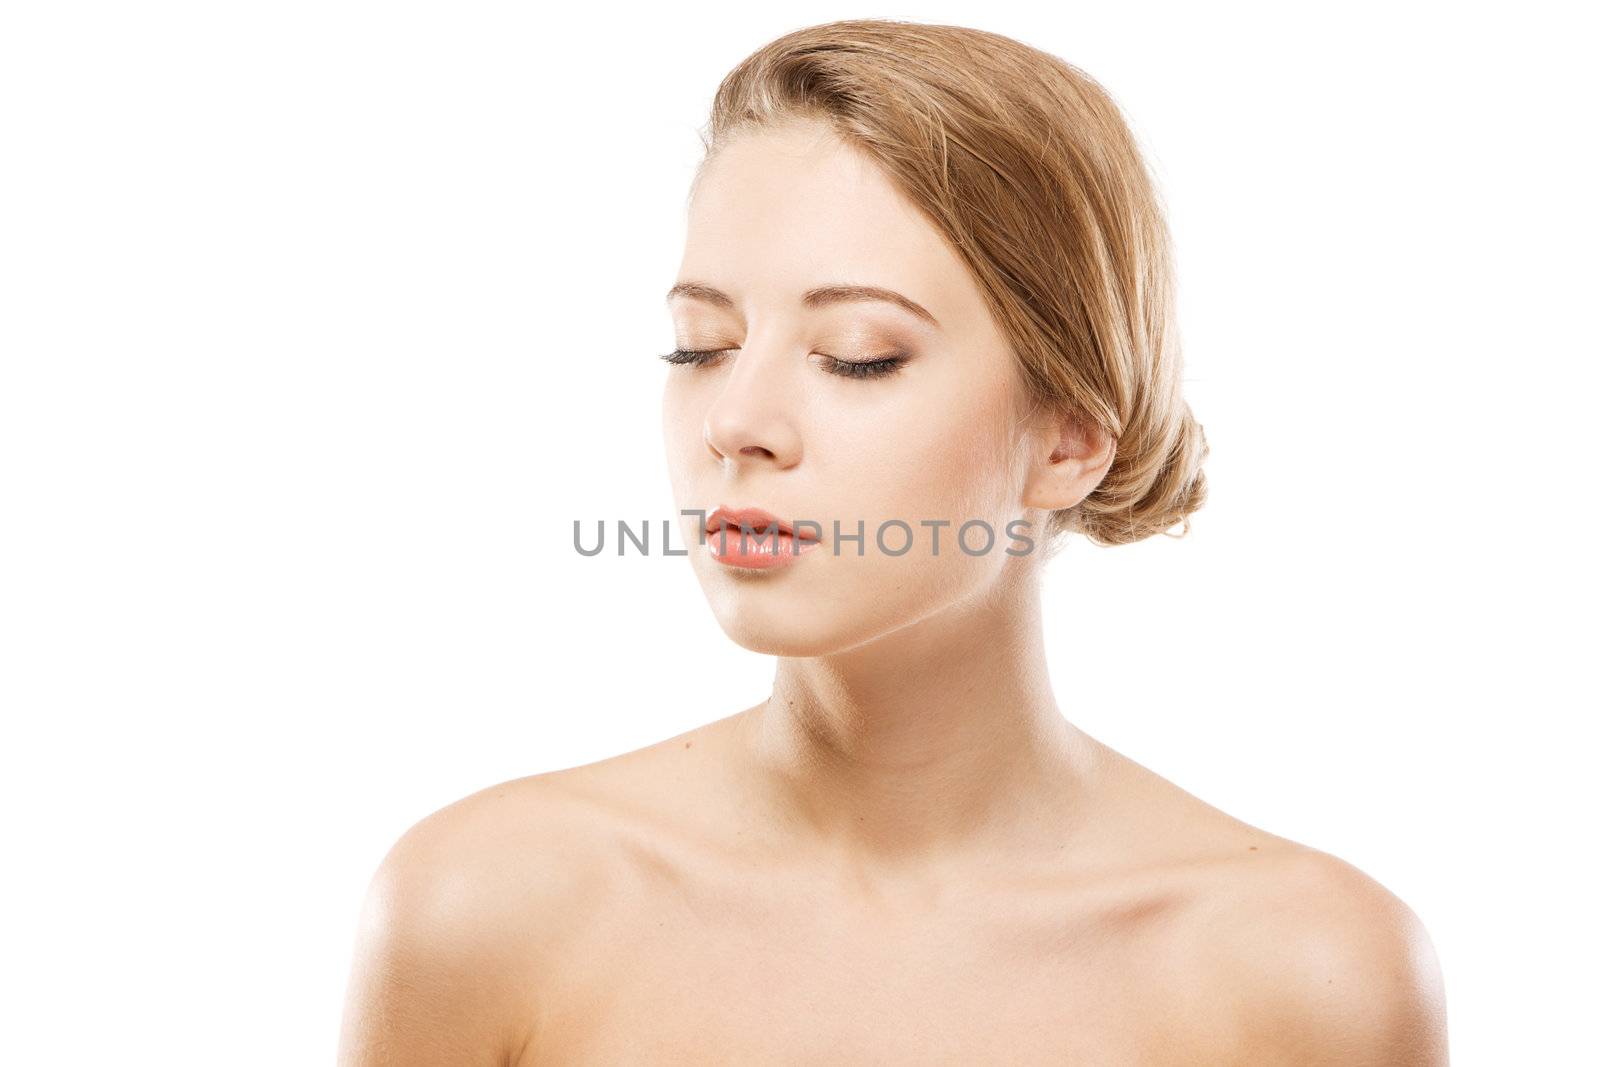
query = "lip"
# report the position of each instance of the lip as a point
(740, 537)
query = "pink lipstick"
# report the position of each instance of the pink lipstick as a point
(754, 539)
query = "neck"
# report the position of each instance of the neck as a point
(939, 738)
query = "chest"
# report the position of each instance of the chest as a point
(967, 982)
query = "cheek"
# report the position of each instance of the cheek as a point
(681, 426)
(950, 457)
(946, 461)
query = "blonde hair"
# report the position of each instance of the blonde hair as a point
(1027, 167)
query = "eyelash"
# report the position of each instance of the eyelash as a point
(874, 368)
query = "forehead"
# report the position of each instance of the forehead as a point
(779, 209)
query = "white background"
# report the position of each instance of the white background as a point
(322, 322)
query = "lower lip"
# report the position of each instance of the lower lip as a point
(756, 551)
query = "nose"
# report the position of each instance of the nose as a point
(752, 418)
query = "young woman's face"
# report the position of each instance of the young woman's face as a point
(774, 423)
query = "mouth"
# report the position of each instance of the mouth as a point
(752, 539)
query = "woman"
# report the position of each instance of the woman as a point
(925, 292)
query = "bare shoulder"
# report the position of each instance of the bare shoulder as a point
(1327, 965)
(1307, 959)
(461, 866)
(476, 908)
(455, 922)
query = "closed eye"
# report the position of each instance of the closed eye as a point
(693, 355)
(871, 368)
(845, 368)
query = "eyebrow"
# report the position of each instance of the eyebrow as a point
(821, 296)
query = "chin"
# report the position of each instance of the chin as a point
(799, 623)
(778, 626)
(770, 642)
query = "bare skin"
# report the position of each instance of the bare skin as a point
(906, 854)
(656, 907)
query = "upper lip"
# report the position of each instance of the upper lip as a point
(755, 520)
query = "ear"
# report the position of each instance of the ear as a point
(1069, 458)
